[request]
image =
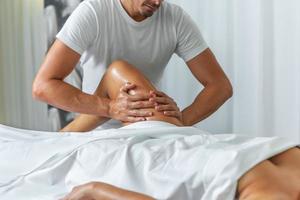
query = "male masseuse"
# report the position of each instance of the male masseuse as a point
(144, 33)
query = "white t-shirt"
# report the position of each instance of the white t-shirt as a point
(102, 31)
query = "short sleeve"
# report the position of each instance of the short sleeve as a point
(190, 42)
(81, 28)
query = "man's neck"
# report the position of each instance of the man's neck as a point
(129, 8)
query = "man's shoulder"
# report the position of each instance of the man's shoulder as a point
(98, 4)
(171, 6)
(95, 2)
(171, 9)
(98, 8)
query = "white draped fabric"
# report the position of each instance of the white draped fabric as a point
(153, 158)
(257, 42)
(22, 45)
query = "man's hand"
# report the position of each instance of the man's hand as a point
(126, 108)
(165, 104)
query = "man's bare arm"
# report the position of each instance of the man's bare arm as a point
(49, 86)
(217, 88)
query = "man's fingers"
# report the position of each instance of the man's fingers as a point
(134, 119)
(140, 113)
(141, 104)
(172, 113)
(167, 107)
(161, 100)
(126, 87)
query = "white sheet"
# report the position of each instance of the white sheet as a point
(155, 158)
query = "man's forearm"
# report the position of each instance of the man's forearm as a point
(206, 103)
(69, 98)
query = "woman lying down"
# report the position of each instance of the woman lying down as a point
(227, 166)
(153, 159)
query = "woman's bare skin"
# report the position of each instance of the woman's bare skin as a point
(277, 178)
(102, 191)
(113, 86)
(119, 74)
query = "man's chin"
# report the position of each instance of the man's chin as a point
(147, 14)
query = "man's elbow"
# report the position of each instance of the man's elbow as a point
(38, 92)
(227, 89)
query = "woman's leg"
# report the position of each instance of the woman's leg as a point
(272, 181)
(118, 74)
(85, 122)
(121, 72)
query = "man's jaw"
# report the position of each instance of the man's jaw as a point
(149, 9)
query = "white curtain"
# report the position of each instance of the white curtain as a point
(22, 45)
(257, 42)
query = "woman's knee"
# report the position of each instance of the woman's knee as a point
(121, 67)
(119, 72)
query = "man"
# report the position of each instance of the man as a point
(145, 33)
